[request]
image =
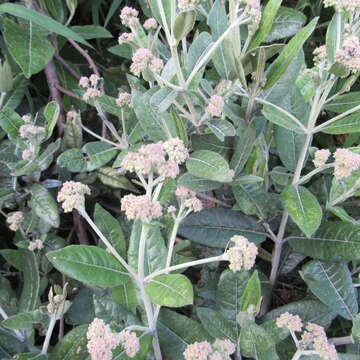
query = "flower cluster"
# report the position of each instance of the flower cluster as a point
(72, 195)
(188, 200)
(56, 303)
(140, 207)
(123, 99)
(91, 85)
(242, 254)
(125, 38)
(14, 220)
(253, 10)
(215, 106)
(292, 322)
(28, 131)
(349, 54)
(37, 244)
(219, 350)
(321, 157)
(129, 16)
(143, 59)
(101, 340)
(150, 24)
(346, 162)
(343, 5)
(130, 342)
(315, 338)
(187, 4)
(320, 55)
(27, 154)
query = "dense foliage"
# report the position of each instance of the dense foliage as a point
(179, 179)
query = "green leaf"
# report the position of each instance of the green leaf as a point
(355, 331)
(334, 35)
(252, 294)
(24, 320)
(14, 257)
(287, 23)
(279, 66)
(267, 19)
(209, 165)
(168, 10)
(30, 292)
(174, 290)
(91, 32)
(215, 324)
(183, 24)
(214, 227)
(28, 45)
(125, 295)
(347, 125)
(163, 99)
(197, 184)
(344, 102)
(10, 122)
(44, 205)
(111, 229)
(111, 177)
(14, 97)
(51, 113)
(89, 264)
(255, 342)
(41, 20)
(332, 284)
(72, 346)
(303, 208)
(177, 331)
(221, 128)
(334, 241)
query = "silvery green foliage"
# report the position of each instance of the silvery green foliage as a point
(202, 133)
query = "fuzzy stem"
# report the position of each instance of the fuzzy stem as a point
(142, 245)
(2, 98)
(48, 334)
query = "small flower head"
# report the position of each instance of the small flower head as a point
(193, 204)
(343, 5)
(14, 220)
(135, 162)
(292, 322)
(184, 192)
(176, 150)
(215, 106)
(153, 152)
(38, 244)
(143, 59)
(225, 347)
(242, 254)
(320, 55)
(171, 209)
(346, 162)
(321, 157)
(253, 11)
(72, 195)
(198, 351)
(27, 154)
(129, 16)
(94, 79)
(123, 99)
(130, 343)
(169, 169)
(28, 131)
(349, 54)
(150, 24)
(84, 82)
(140, 207)
(125, 38)
(91, 93)
(26, 118)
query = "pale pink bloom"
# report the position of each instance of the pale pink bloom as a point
(125, 38)
(169, 169)
(136, 162)
(182, 191)
(156, 64)
(71, 115)
(224, 346)
(215, 106)
(320, 55)
(123, 99)
(216, 356)
(27, 154)
(242, 254)
(130, 343)
(72, 195)
(292, 322)
(140, 208)
(153, 152)
(171, 209)
(144, 59)
(84, 82)
(193, 204)
(176, 150)
(321, 157)
(150, 24)
(14, 220)
(94, 79)
(91, 93)
(253, 10)
(29, 131)
(346, 162)
(36, 245)
(129, 16)
(198, 351)
(26, 118)
(343, 5)
(349, 54)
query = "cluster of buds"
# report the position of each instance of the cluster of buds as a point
(91, 84)
(150, 24)
(129, 16)
(221, 349)
(143, 59)
(101, 340)
(346, 162)
(320, 56)
(14, 220)
(215, 106)
(253, 11)
(343, 5)
(140, 208)
(72, 195)
(130, 342)
(242, 255)
(349, 54)
(37, 244)
(313, 338)
(188, 4)
(126, 37)
(32, 132)
(58, 305)
(187, 199)
(123, 99)
(321, 157)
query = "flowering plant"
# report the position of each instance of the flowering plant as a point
(190, 189)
